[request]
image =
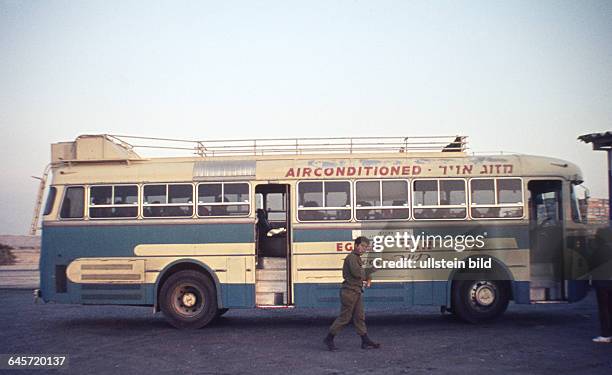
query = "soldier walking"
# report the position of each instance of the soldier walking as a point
(351, 297)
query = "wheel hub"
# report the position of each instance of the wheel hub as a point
(483, 293)
(189, 299)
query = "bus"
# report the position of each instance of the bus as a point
(267, 224)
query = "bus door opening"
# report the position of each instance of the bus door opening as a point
(546, 240)
(273, 245)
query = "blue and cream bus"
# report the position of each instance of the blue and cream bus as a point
(267, 224)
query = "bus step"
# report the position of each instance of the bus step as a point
(271, 286)
(270, 307)
(271, 275)
(269, 298)
(273, 263)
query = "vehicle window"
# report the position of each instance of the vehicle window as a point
(275, 207)
(168, 200)
(381, 200)
(483, 191)
(73, 204)
(113, 201)
(439, 199)
(223, 199)
(496, 198)
(324, 200)
(50, 200)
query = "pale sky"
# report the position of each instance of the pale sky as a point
(519, 76)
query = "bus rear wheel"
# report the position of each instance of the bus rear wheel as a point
(476, 301)
(188, 300)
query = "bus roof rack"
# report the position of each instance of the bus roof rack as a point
(296, 146)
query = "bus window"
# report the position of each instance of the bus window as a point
(113, 201)
(509, 191)
(496, 198)
(275, 207)
(381, 200)
(324, 200)
(548, 209)
(50, 200)
(223, 199)
(483, 191)
(439, 199)
(73, 204)
(168, 200)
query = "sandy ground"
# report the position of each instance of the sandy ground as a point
(24, 273)
(538, 339)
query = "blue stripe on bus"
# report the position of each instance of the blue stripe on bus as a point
(233, 295)
(520, 292)
(577, 290)
(322, 235)
(109, 241)
(380, 295)
(387, 295)
(238, 295)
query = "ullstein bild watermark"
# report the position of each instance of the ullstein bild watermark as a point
(477, 263)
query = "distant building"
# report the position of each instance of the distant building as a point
(598, 211)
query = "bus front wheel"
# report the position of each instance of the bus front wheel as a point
(188, 300)
(479, 300)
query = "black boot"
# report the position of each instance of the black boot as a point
(366, 343)
(329, 341)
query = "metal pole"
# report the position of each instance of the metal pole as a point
(609, 152)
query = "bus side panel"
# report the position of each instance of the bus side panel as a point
(318, 256)
(61, 245)
(238, 296)
(520, 292)
(380, 295)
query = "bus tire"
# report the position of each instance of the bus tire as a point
(188, 300)
(477, 301)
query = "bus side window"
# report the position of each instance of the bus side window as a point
(50, 200)
(223, 199)
(332, 197)
(496, 198)
(73, 204)
(168, 200)
(439, 199)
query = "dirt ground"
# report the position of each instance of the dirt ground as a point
(539, 339)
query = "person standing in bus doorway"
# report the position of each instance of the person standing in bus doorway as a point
(351, 297)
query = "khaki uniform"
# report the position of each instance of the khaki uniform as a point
(351, 296)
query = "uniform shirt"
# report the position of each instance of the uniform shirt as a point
(353, 273)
